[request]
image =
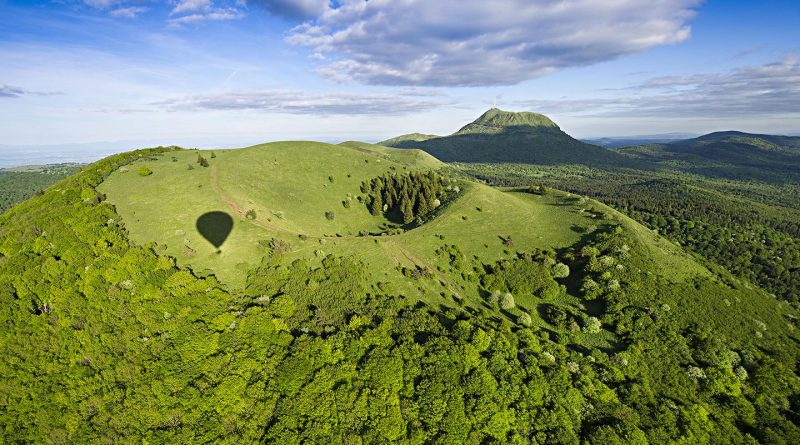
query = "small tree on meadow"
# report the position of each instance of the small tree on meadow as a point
(524, 319)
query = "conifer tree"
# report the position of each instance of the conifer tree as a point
(406, 209)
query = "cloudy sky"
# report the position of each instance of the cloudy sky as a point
(114, 73)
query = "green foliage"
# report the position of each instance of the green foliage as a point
(17, 185)
(407, 197)
(144, 171)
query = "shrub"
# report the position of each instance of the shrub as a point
(524, 319)
(696, 373)
(251, 214)
(592, 326)
(560, 270)
(329, 215)
(278, 246)
(507, 301)
(202, 161)
(494, 298)
(144, 171)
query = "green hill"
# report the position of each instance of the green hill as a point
(490, 316)
(501, 136)
(411, 137)
(728, 154)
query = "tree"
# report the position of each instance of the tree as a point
(507, 301)
(560, 270)
(406, 209)
(376, 205)
(593, 325)
(524, 319)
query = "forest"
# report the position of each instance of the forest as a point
(407, 197)
(17, 185)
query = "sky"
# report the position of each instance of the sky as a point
(85, 78)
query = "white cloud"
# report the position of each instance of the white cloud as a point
(477, 42)
(771, 89)
(185, 6)
(130, 12)
(205, 16)
(299, 102)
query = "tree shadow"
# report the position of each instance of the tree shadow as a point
(215, 227)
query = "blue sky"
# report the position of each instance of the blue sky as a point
(110, 74)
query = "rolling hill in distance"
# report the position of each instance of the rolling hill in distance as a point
(728, 154)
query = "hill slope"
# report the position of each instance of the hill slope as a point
(728, 154)
(501, 136)
(499, 316)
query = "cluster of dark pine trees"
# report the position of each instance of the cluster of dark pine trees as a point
(407, 196)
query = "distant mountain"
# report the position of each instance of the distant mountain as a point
(412, 137)
(509, 137)
(625, 141)
(728, 154)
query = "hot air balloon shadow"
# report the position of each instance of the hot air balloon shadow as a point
(215, 227)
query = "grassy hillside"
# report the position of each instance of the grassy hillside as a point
(501, 136)
(728, 154)
(504, 315)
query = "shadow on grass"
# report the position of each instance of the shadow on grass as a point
(215, 227)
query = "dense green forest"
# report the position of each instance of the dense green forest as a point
(750, 228)
(17, 185)
(105, 341)
(407, 197)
